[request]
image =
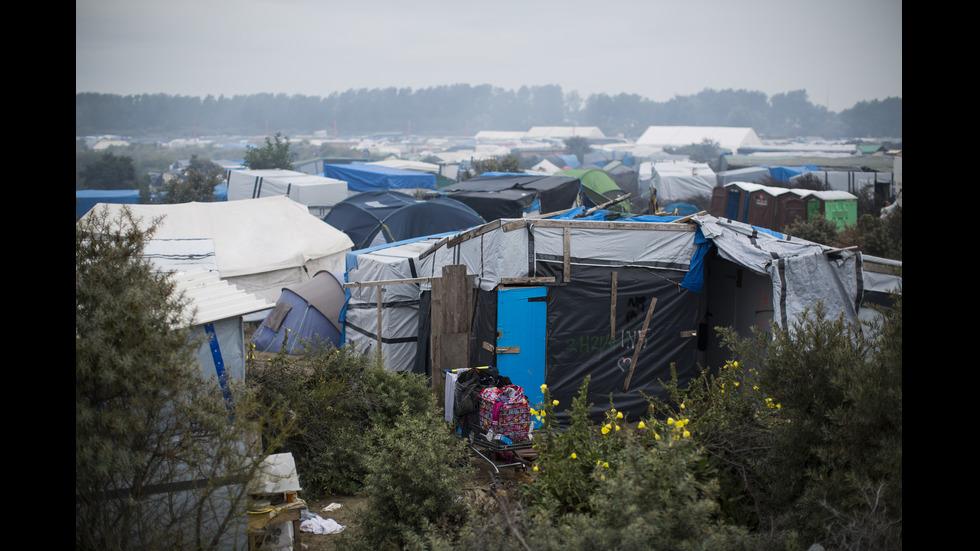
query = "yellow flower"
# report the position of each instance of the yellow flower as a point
(656, 436)
(641, 425)
(544, 388)
(687, 434)
(533, 411)
(554, 402)
(682, 405)
(670, 420)
(619, 415)
(535, 468)
(617, 427)
(605, 464)
(605, 429)
(574, 456)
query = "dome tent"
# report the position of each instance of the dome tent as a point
(309, 311)
(376, 217)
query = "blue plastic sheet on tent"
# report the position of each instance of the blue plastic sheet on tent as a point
(365, 177)
(85, 199)
(784, 173)
(682, 209)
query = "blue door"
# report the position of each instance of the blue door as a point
(520, 349)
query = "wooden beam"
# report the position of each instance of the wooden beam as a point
(639, 345)
(567, 254)
(612, 305)
(604, 205)
(525, 280)
(387, 282)
(601, 225)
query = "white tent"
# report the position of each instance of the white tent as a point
(261, 245)
(728, 137)
(680, 180)
(318, 193)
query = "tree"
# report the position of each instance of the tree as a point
(160, 453)
(197, 183)
(110, 171)
(508, 163)
(273, 155)
(578, 146)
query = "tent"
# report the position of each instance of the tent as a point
(752, 174)
(560, 300)
(318, 193)
(682, 181)
(375, 217)
(628, 179)
(598, 188)
(260, 245)
(515, 195)
(369, 177)
(85, 199)
(307, 312)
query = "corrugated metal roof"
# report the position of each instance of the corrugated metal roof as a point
(210, 298)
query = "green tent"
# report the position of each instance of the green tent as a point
(599, 188)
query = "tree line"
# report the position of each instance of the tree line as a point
(463, 109)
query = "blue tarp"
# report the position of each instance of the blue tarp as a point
(85, 199)
(365, 177)
(784, 173)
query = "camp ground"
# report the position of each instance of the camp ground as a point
(553, 301)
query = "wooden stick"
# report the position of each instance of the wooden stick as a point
(612, 305)
(639, 345)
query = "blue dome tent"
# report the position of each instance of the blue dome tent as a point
(309, 311)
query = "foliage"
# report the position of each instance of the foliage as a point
(415, 480)
(818, 230)
(146, 421)
(835, 467)
(510, 163)
(874, 118)
(707, 151)
(109, 171)
(337, 398)
(876, 236)
(197, 183)
(272, 155)
(578, 146)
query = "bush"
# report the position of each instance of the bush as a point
(818, 230)
(835, 467)
(337, 398)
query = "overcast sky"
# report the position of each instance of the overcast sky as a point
(839, 51)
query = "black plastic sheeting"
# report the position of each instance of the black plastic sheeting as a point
(581, 343)
(494, 197)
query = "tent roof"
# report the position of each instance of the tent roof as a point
(250, 237)
(371, 177)
(728, 137)
(211, 299)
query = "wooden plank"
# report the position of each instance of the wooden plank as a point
(601, 225)
(604, 205)
(387, 282)
(639, 345)
(612, 305)
(525, 280)
(508, 350)
(688, 217)
(567, 254)
(380, 294)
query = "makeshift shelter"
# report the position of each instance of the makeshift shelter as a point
(260, 245)
(402, 336)
(85, 199)
(515, 195)
(369, 177)
(375, 217)
(306, 313)
(318, 193)
(682, 181)
(628, 180)
(599, 188)
(622, 301)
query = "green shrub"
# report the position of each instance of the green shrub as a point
(835, 467)
(416, 477)
(336, 398)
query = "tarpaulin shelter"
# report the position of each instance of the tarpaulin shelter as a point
(318, 193)
(259, 245)
(682, 180)
(561, 300)
(375, 217)
(369, 177)
(515, 195)
(599, 188)
(306, 313)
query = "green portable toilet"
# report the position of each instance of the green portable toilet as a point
(839, 207)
